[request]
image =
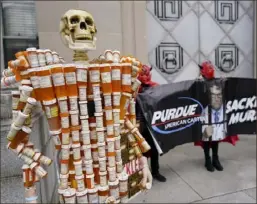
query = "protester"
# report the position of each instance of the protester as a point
(145, 78)
(214, 127)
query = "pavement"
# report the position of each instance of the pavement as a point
(189, 182)
(187, 179)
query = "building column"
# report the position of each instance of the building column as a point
(255, 39)
(133, 21)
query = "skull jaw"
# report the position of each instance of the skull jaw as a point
(80, 46)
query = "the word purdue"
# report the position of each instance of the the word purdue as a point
(174, 113)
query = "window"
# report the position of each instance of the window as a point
(19, 29)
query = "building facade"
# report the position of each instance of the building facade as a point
(172, 36)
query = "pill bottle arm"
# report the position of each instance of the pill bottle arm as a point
(146, 182)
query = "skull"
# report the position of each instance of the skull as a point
(78, 30)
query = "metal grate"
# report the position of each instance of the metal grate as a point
(19, 19)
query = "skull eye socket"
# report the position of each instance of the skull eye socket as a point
(74, 20)
(89, 21)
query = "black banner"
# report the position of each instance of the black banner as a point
(179, 113)
(241, 106)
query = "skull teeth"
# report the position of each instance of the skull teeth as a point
(83, 37)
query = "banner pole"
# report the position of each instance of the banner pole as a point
(156, 143)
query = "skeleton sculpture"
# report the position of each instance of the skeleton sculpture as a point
(78, 32)
(45, 81)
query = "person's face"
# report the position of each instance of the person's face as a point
(216, 98)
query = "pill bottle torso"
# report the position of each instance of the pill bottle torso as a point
(52, 114)
(58, 80)
(70, 79)
(46, 87)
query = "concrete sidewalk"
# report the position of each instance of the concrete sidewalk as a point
(189, 182)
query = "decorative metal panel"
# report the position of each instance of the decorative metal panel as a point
(182, 34)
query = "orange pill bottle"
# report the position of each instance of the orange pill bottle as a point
(81, 73)
(23, 61)
(82, 81)
(21, 135)
(106, 80)
(52, 114)
(126, 77)
(94, 73)
(124, 103)
(116, 77)
(70, 79)
(32, 56)
(24, 74)
(46, 87)
(34, 78)
(58, 80)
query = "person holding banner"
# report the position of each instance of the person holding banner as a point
(146, 82)
(214, 128)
